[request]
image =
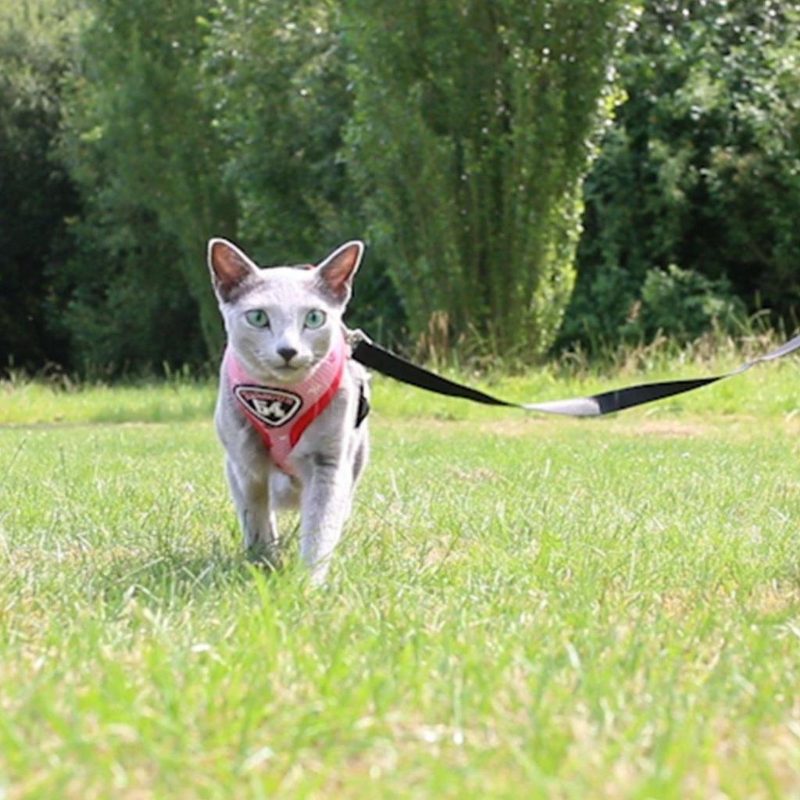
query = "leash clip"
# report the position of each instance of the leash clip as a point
(355, 337)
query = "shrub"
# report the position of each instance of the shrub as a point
(684, 304)
(613, 309)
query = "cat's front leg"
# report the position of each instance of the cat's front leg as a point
(251, 497)
(324, 508)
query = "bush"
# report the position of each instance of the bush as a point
(684, 304)
(612, 309)
(128, 310)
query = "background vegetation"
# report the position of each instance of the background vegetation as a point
(489, 152)
(690, 204)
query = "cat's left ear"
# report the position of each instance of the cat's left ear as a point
(336, 272)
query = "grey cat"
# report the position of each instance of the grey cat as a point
(292, 403)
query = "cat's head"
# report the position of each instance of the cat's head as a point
(281, 321)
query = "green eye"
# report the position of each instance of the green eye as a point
(257, 317)
(315, 318)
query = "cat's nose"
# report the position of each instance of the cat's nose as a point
(287, 353)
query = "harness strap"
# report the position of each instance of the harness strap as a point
(299, 428)
(381, 360)
(281, 414)
(362, 412)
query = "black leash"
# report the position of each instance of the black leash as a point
(381, 360)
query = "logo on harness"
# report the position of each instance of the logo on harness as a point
(274, 407)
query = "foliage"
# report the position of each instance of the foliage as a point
(453, 136)
(470, 137)
(684, 304)
(128, 309)
(248, 150)
(702, 168)
(36, 38)
(280, 100)
(276, 76)
(140, 142)
(674, 302)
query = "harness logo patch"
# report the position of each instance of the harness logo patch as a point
(274, 407)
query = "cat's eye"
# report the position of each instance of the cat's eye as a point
(257, 317)
(315, 318)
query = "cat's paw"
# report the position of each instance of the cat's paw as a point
(318, 574)
(266, 557)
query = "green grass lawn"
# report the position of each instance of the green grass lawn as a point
(522, 607)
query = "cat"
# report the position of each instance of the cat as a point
(292, 404)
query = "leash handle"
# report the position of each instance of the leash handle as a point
(380, 359)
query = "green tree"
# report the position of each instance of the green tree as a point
(277, 75)
(702, 168)
(277, 78)
(140, 141)
(471, 134)
(36, 194)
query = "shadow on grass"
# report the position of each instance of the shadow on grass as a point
(174, 575)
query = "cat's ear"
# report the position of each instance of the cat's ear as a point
(336, 272)
(229, 266)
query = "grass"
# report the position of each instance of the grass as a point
(522, 607)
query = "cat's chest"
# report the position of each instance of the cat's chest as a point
(292, 420)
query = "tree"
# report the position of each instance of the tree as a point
(702, 168)
(193, 119)
(472, 130)
(36, 193)
(276, 72)
(140, 141)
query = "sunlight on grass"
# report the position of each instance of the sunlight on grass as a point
(30, 402)
(768, 390)
(522, 607)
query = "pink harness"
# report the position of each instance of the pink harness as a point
(281, 415)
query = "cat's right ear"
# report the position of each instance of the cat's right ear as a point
(230, 268)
